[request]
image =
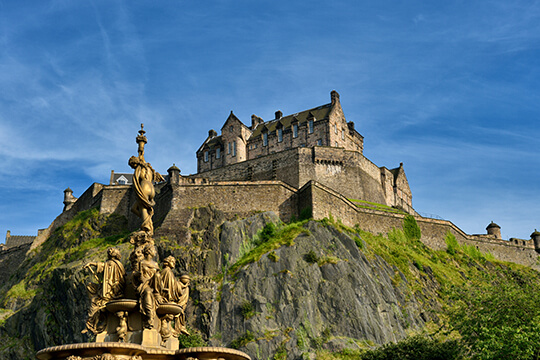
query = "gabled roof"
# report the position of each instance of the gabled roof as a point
(212, 143)
(397, 171)
(319, 113)
(232, 119)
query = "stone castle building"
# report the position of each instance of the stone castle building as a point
(316, 144)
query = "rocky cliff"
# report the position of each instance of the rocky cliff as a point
(273, 290)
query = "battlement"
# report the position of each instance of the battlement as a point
(13, 241)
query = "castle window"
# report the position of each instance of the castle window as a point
(218, 153)
(319, 142)
(234, 148)
(122, 180)
(265, 139)
(231, 128)
(310, 126)
(280, 135)
(295, 130)
(335, 143)
(342, 134)
(335, 128)
(206, 156)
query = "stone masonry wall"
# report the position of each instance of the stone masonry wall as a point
(326, 202)
(240, 198)
(349, 171)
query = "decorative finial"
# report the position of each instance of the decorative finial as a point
(141, 140)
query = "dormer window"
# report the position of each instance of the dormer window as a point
(310, 126)
(265, 139)
(206, 156)
(295, 130)
(280, 134)
(122, 180)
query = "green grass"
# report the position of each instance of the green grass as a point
(284, 235)
(21, 291)
(375, 206)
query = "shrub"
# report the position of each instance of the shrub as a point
(242, 340)
(267, 232)
(247, 310)
(311, 257)
(452, 245)
(411, 228)
(416, 348)
(306, 214)
(193, 340)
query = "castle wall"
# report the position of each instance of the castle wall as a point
(282, 166)
(115, 199)
(326, 202)
(240, 198)
(89, 199)
(349, 171)
(18, 240)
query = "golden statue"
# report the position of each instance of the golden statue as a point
(143, 181)
(112, 287)
(147, 286)
(175, 291)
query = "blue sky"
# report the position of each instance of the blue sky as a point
(449, 88)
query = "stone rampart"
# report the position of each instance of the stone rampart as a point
(325, 202)
(243, 198)
(349, 171)
(13, 241)
(89, 199)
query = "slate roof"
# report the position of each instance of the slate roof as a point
(320, 112)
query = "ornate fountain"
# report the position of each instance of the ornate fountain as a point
(138, 315)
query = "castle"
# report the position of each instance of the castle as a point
(308, 161)
(316, 144)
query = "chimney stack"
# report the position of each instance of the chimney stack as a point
(255, 121)
(334, 97)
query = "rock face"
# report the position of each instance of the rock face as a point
(322, 291)
(299, 304)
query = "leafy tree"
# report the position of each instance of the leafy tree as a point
(416, 348)
(500, 318)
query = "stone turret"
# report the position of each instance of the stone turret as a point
(494, 229)
(535, 236)
(69, 199)
(174, 175)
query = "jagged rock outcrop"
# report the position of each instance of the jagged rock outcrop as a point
(320, 290)
(297, 303)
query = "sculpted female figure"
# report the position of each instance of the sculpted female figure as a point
(143, 181)
(175, 291)
(148, 282)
